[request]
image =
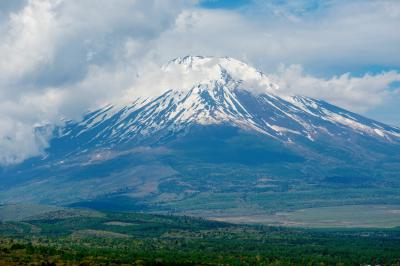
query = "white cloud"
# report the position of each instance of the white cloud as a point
(354, 93)
(184, 73)
(325, 37)
(340, 35)
(60, 57)
(27, 42)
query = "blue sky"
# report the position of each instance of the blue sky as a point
(308, 10)
(224, 4)
(63, 57)
(302, 9)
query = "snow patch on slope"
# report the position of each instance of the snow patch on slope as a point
(206, 90)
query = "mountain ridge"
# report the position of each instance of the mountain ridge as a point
(216, 101)
(219, 142)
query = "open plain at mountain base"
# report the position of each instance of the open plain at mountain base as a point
(226, 171)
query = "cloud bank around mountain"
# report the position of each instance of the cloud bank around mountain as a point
(61, 57)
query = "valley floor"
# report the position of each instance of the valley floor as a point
(348, 216)
(84, 237)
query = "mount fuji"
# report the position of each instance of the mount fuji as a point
(221, 137)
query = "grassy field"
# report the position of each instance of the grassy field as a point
(266, 203)
(353, 216)
(16, 212)
(84, 237)
(380, 216)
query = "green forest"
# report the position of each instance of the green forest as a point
(76, 237)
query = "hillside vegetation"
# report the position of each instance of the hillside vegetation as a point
(103, 238)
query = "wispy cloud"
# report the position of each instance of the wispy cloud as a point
(328, 39)
(354, 93)
(60, 57)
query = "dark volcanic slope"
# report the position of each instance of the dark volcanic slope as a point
(216, 145)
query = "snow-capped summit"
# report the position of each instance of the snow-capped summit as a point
(191, 71)
(217, 116)
(222, 91)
